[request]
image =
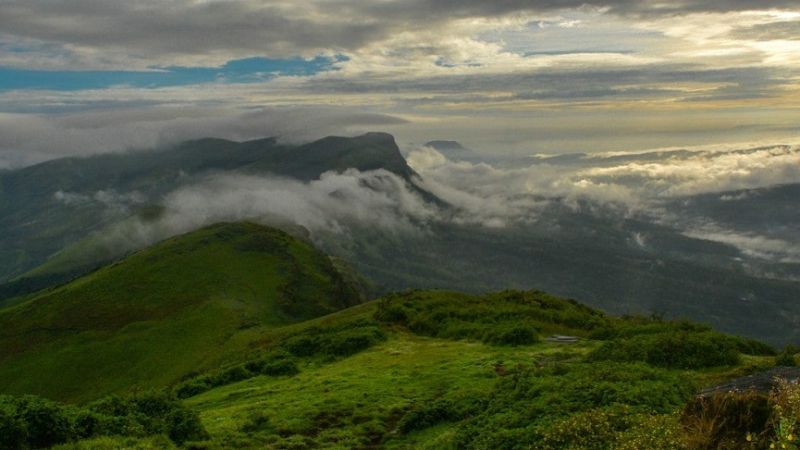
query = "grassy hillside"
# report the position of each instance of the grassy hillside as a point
(165, 311)
(439, 370)
(449, 370)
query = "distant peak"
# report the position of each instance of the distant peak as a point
(377, 135)
(445, 145)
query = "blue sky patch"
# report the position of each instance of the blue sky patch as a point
(247, 70)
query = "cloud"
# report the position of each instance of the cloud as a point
(376, 198)
(706, 171)
(475, 194)
(109, 198)
(630, 183)
(773, 31)
(756, 246)
(206, 33)
(27, 139)
(333, 205)
(508, 195)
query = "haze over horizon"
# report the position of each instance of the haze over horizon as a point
(506, 79)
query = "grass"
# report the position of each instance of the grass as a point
(415, 390)
(161, 313)
(355, 402)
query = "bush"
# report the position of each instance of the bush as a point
(284, 367)
(692, 351)
(785, 359)
(148, 414)
(45, 423)
(555, 406)
(340, 341)
(13, 433)
(511, 335)
(33, 422)
(276, 364)
(677, 350)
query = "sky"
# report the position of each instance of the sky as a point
(506, 78)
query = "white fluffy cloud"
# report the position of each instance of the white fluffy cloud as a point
(708, 171)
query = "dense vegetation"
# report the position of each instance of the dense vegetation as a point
(430, 384)
(31, 422)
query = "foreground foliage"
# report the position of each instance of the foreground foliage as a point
(31, 422)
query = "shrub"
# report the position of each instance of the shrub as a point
(677, 350)
(511, 335)
(692, 351)
(302, 345)
(284, 367)
(785, 359)
(46, 423)
(276, 364)
(148, 414)
(723, 421)
(33, 422)
(344, 340)
(192, 387)
(13, 433)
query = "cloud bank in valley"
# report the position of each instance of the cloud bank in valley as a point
(637, 180)
(649, 186)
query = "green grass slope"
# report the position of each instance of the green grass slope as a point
(165, 311)
(433, 370)
(439, 370)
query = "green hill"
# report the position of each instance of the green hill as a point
(165, 311)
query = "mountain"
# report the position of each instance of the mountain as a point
(371, 151)
(454, 151)
(703, 260)
(165, 311)
(48, 206)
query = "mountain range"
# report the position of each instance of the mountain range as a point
(56, 219)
